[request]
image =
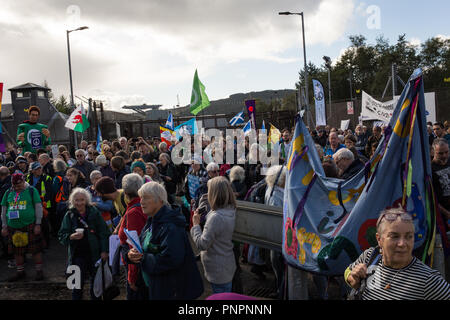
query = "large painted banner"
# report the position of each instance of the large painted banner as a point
(319, 99)
(328, 222)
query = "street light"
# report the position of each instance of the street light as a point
(287, 13)
(328, 65)
(72, 104)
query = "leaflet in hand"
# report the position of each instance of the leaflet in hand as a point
(133, 239)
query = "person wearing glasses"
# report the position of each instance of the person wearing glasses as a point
(83, 165)
(390, 271)
(347, 164)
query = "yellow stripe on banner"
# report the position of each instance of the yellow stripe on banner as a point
(398, 129)
(296, 146)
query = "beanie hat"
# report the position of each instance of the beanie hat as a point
(105, 185)
(139, 164)
(35, 165)
(21, 159)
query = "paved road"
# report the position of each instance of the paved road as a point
(54, 285)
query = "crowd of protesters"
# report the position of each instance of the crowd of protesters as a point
(82, 196)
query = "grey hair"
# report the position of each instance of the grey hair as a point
(77, 191)
(271, 176)
(44, 155)
(155, 190)
(59, 165)
(131, 183)
(95, 173)
(237, 173)
(381, 223)
(212, 166)
(162, 144)
(343, 153)
(439, 142)
(165, 155)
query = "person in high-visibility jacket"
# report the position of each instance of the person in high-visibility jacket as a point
(43, 184)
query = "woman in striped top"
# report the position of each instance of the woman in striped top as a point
(394, 273)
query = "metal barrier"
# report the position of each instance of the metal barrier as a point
(259, 224)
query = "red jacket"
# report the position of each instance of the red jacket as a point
(134, 219)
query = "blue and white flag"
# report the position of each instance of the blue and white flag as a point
(169, 122)
(329, 222)
(319, 99)
(99, 141)
(263, 127)
(247, 128)
(188, 127)
(237, 119)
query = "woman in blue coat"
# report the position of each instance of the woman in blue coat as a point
(167, 263)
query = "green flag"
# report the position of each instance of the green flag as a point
(199, 99)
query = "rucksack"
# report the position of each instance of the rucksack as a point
(257, 192)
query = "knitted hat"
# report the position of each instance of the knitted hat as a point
(17, 178)
(21, 159)
(105, 185)
(35, 165)
(139, 164)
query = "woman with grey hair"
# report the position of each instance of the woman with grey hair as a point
(390, 271)
(167, 262)
(104, 206)
(133, 219)
(153, 172)
(215, 240)
(86, 235)
(237, 179)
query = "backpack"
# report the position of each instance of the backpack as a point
(257, 192)
(62, 194)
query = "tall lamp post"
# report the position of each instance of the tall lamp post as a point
(328, 65)
(287, 13)
(72, 104)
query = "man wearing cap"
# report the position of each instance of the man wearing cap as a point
(106, 189)
(43, 184)
(83, 165)
(32, 135)
(21, 223)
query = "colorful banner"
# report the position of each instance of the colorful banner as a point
(350, 109)
(166, 135)
(329, 222)
(319, 99)
(251, 105)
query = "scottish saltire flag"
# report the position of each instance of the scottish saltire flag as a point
(263, 127)
(189, 127)
(169, 122)
(319, 99)
(99, 140)
(251, 104)
(237, 119)
(199, 99)
(247, 128)
(328, 222)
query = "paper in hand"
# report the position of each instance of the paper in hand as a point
(133, 239)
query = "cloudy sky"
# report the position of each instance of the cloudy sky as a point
(146, 51)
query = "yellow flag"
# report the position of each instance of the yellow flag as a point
(274, 134)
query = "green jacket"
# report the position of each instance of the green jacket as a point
(97, 232)
(34, 139)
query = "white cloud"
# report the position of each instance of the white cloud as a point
(142, 51)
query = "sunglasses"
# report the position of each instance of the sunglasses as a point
(393, 216)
